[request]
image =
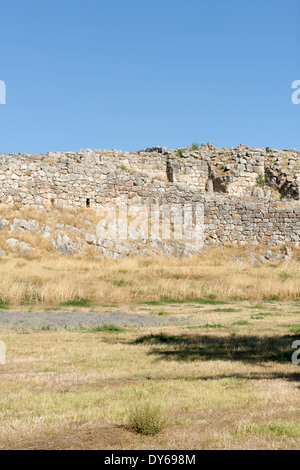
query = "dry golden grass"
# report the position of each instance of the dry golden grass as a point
(54, 279)
(221, 388)
(48, 278)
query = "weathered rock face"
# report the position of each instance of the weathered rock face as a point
(248, 195)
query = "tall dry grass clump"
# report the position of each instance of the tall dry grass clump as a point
(147, 419)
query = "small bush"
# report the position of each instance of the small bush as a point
(195, 146)
(161, 313)
(147, 419)
(180, 152)
(260, 181)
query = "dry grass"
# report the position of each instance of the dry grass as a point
(222, 388)
(41, 246)
(50, 280)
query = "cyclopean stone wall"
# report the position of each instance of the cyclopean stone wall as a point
(248, 194)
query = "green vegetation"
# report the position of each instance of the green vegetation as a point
(77, 303)
(272, 298)
(103, 329)
(195, 146)
(4, 304)
(147, 419)
(227, 310)
(162, 313)
(276, 428)
(207, 325)
(31, 298)
(168, 300)
(158, 339)
(295, 330)
(121, 283)
(180, 152)
(260, 181)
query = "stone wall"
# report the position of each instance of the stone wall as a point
(245, 221)
(225, 181)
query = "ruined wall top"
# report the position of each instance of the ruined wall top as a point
(90, 176)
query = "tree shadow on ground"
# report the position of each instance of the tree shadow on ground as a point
(250, 349)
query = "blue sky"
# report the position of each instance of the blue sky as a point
(133, 74)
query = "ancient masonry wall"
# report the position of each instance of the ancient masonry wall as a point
(224, 181)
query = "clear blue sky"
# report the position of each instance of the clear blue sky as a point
(129, 74)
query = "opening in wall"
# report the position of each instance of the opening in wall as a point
(88, 203)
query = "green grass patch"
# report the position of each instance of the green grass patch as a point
(4, 304)
(266, 314)
(227, 310)
(103, 329)
(276, 428)
(241, 323)
(158, 339)
(169, 300)
(207, 325)
(122, 283)
(209, 301)
(272, 298)
(52, 309)
(295, 330)
(238, 298)
(77, 303)
(109, 305)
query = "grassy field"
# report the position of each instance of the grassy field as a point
(51, 280)
(222, 381)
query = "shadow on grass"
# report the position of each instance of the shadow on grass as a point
(251, 376)
(232, 348)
